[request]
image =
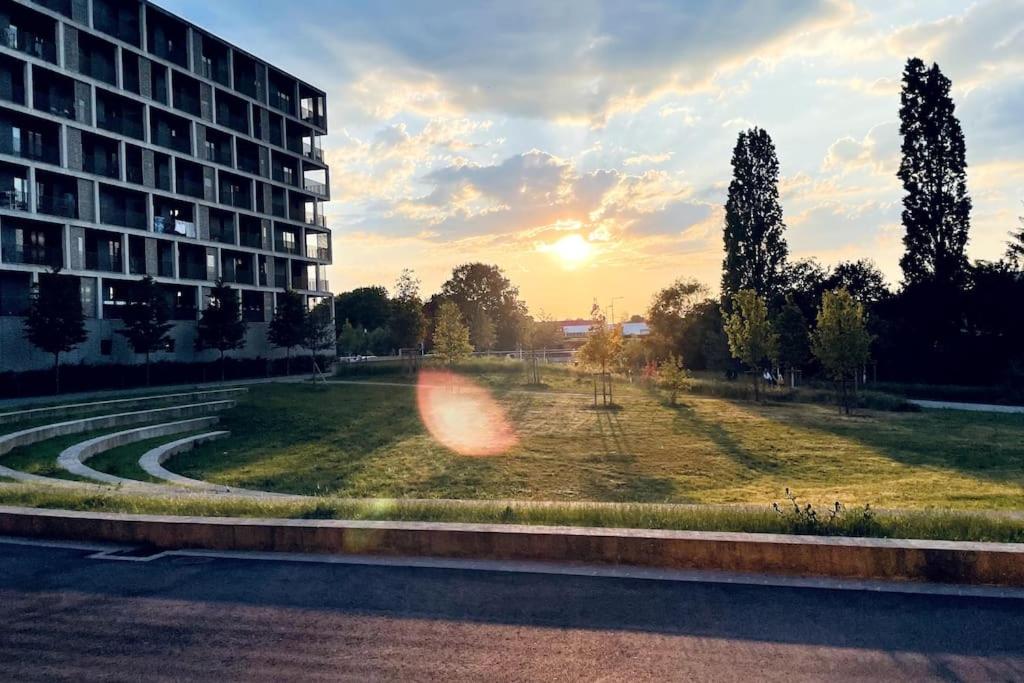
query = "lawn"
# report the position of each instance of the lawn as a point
(363, 440)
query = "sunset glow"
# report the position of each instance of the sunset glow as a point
(572, 250)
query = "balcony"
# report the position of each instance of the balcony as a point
(32, 43)
(315, 186)
(173, 226)
(33, 255)
(313, 152)
(65, 206)
(14, 200)
(32, 243)
(119, 114)
(117, 18)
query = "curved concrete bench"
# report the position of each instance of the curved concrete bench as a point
(27, 437)
(72, 409)
(73, 458)
(152, 462)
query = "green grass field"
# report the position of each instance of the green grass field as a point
(361, 440)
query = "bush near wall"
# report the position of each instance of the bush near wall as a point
(89, 377)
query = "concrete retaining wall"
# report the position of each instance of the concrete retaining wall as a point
(73, 458)
(975, 563)
(27, 437)
(73, 409)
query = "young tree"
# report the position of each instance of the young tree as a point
(538, 336)
(601, 352)
(287, 328)
(673, 376)
(841, 340)
(793, 345)
(407, 323)
(55, 322)
(451, 336)
(936, 206)
(221, 326)
(751, 339)
(755, 247)
(146, 319)
(318, 333)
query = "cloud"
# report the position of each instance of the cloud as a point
(878, 150)
(647, 159)
(985, 41)
(577, 62)
(881, 87)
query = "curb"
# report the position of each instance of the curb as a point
(999, 564)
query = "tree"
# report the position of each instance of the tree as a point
(793, 345)
(668, 311)
(936, 206)
(1015, 247)
(755, 247)
(841, 341)
(367, 307)
(407, 323)
(318, 331)
(55, 322)
(146, 319)
(482, 331)
(478, 287)
(750, 334)
(538, 336)
(451, 336)
(861, 279)
(287, 327)
(673, 376)
(220, 324)
(601, 352)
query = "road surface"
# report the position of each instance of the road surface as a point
(66, 616)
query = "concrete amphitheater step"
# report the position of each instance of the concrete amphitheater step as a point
(27, 437)
(72, 459)
(152, 462)
(73, 409)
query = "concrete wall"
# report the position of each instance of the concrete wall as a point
(862, 558)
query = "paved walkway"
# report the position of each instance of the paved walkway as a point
(973, 407)
(66, 616)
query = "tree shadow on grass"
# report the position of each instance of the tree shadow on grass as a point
(341, 429)
(981, 445)
(721, 437)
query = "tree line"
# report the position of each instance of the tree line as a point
(949, 321)
(55, 321)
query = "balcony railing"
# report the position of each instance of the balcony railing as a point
(315, 219)
(57, 206)
(14, 200)
(192, 270)
(280, 279)
(103, 261)
(171, 226)
(33, 255)
(281, 102)
(315, 186)
(323, 286)
(29, 43)
(292, 248)
(313, 152)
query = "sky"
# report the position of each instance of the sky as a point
(584, 146)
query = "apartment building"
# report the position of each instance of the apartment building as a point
(135, 143)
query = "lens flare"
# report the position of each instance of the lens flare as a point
(462, 415)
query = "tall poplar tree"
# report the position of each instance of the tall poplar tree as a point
(936, 206)
(755, 247)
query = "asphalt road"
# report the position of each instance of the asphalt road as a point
(64, 616)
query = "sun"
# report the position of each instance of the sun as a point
(572, 250)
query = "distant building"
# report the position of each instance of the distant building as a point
(579, 329)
